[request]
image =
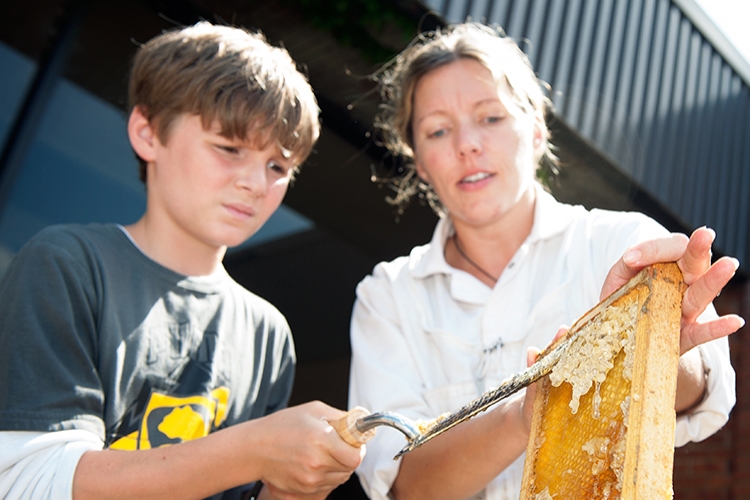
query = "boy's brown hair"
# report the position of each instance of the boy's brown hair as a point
(230, 75)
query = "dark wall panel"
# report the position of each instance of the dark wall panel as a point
(644, 86)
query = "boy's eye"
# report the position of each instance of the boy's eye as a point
(493, 119)
(229, 149)
(279, 169)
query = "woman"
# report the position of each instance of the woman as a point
(507, 265)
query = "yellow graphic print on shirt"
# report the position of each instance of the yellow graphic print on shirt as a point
(172, 419)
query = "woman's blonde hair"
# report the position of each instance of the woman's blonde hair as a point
(429, 51)
(230, 75)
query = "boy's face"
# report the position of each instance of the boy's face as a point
(214, 190)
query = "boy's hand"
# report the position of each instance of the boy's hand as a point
(304, 457)
(705, 281)
(265, 494)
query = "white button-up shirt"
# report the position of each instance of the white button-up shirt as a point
(428, 338)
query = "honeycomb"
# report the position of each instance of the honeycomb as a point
(603, 424)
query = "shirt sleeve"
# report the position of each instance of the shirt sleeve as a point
(41, 465)
(713, 412)
(380, 358)
(284, 380)
(49, 381)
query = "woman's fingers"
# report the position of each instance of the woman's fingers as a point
(705, 281)
(531, 354)
(668, 249)
(697, 258)
(706, 287)
(561, 331)
(527, 405)
(698, 333)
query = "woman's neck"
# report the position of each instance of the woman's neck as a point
(485, 251)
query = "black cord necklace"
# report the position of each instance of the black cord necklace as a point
(466, 257)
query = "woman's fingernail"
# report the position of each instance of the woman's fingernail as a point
(631, 257)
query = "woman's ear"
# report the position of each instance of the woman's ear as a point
(142, 135)
(539, 137)
(421, 171)
(538, 129)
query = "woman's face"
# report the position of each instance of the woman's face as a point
(472, 142)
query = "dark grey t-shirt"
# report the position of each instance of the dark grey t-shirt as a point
(94, 335)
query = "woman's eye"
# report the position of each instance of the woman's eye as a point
(493, 119)
(437, 133)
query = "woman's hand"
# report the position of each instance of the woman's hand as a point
(527, 406)
(704, 280)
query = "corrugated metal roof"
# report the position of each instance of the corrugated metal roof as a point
(654, 87)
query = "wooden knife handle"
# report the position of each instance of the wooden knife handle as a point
(346, 427)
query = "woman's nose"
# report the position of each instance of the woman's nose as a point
(469, 141)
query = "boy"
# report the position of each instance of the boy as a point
(133, 338)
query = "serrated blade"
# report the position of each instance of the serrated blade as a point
(544, 364)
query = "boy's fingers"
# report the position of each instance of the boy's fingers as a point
(270, 491)
(325, 483)
(347, 456)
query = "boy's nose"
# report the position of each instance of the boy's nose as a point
(253, 177)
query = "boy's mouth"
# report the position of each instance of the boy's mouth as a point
(240, 210)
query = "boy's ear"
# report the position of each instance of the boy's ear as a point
(142, 135)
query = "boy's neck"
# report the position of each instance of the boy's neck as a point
(175, 251)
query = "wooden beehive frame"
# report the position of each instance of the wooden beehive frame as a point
(556, 467)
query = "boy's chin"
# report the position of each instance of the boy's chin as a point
(234, 241)
(231, 236)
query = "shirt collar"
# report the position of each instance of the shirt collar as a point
(431, 258)
(550, 216)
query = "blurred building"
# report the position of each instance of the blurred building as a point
(652, 114)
